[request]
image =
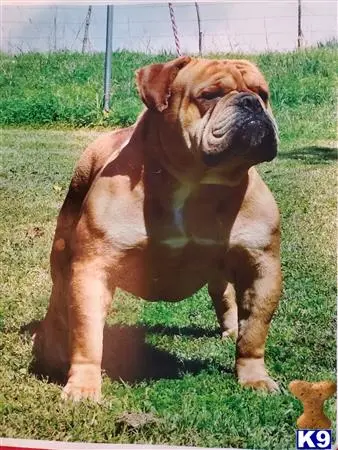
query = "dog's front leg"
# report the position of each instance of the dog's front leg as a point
(89, 298)
(258, 288)
(224, 299)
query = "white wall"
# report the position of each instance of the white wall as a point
(227, 26)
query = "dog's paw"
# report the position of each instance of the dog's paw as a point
(84, 383)
(77, 393)
(251, 373)
(264, 384)
(231, 333)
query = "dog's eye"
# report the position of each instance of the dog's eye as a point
(211, 94)
(263, 95)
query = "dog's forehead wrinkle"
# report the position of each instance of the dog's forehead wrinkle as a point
(229, 77)
(249, 73)
(202, 69)
(220, 79)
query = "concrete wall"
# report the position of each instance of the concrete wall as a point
(227, 26)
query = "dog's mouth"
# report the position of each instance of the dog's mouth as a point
(243, 129)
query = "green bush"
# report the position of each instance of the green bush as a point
(66, 89)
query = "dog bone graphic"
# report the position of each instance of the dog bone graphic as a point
(313, 396)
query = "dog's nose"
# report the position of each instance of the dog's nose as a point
(212, 159)
(249, 101)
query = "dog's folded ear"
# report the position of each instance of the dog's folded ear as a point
(154, 82)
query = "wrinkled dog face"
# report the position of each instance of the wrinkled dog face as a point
(227, 109)
(221, 107)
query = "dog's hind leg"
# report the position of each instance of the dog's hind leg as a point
(51, 339)
(51, 343)
(90, 294)
(223, 296)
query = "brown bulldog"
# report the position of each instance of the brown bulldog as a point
(164, 207)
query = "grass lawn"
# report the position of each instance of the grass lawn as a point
(176, 366)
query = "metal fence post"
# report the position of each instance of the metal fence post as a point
(86, 31)
(199, 29)
(108, 58)
(300, 32)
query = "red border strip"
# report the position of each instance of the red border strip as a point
(22, 448)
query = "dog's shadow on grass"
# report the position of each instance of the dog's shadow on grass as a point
(311, 155)
(129, 357)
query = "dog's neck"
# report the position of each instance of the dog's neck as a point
(189, 172)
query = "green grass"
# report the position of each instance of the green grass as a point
(193, 393)
(66, 89)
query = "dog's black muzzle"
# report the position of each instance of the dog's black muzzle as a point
(242, 127)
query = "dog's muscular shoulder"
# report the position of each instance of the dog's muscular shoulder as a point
(94, 157)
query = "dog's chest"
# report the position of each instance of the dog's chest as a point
(187, 218)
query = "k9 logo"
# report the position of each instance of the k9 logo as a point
(314, 439)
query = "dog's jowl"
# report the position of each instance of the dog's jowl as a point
(164, 207)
